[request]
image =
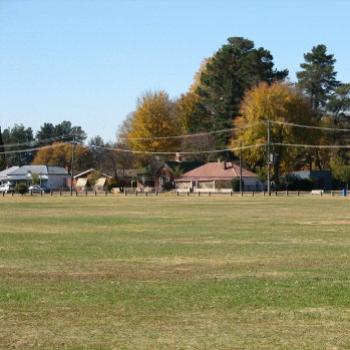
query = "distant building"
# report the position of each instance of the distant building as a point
(214, 176)
(321, 179)
(161, 175)
(81, 183)
(50, 177)
(124, 177)
(5, 173)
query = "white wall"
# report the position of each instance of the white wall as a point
(56, 182)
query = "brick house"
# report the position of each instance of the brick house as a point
(216, 176)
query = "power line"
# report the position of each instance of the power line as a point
(70, 136)
(27, 150)
(315, 127)
(232, 149)
(301, 145)
(222, 131)
(123, 150)
(33, 142)
(228, 149)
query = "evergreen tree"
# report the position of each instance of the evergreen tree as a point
(23, 136)
(61, 131)
(2, 156)
(318, 78)
(234, 69)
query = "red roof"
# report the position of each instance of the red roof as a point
(216, 171)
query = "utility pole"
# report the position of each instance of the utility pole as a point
(240, 169)
(72, 164)
(268, 159)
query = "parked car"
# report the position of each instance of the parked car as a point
(7, 188)
(37, 189)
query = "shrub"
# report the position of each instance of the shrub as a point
(21, 188)
(114, 183)
(92, 178)
(235, 185)
(295, 183)
(169, 185)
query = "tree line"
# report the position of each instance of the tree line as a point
(60, 136)
(235, 87)
(239, 86)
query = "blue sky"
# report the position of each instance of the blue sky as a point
(88, 60)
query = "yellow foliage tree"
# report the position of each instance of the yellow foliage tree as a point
(154, 118)
(277, 102)
(60, 154)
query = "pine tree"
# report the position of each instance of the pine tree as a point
(234, 69)
(318, 78)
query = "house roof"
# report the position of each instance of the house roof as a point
(153, 169)
(6, 172)
(216, 171)
(183, 166)
(38, 169)
(89, 171)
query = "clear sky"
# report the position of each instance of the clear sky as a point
(88, 60)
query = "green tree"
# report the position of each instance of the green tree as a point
(318, 78)
(18, 134)
(64, 130)
(46, 131)
(234, 68)
(35, 179)
(2, 155)
(340, 170)
(339, 103)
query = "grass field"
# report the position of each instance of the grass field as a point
(174, 273)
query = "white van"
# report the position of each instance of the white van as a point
(7, 187)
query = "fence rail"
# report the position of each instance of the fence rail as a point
(180, 193)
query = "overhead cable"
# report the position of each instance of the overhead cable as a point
(315, 127)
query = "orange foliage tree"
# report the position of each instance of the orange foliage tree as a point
(60, 154)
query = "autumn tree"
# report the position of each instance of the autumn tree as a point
(153, 119)
(60, 154)
(193, 119)
(278, 102)
(234, 68)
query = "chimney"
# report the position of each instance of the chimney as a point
(227, 165)
(178, 157)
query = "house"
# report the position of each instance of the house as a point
(125, 179)
(160, 175)
(81, 181)
(215, 176)
(50, 177)
(5, 172)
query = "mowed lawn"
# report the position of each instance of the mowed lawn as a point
(175, 273)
